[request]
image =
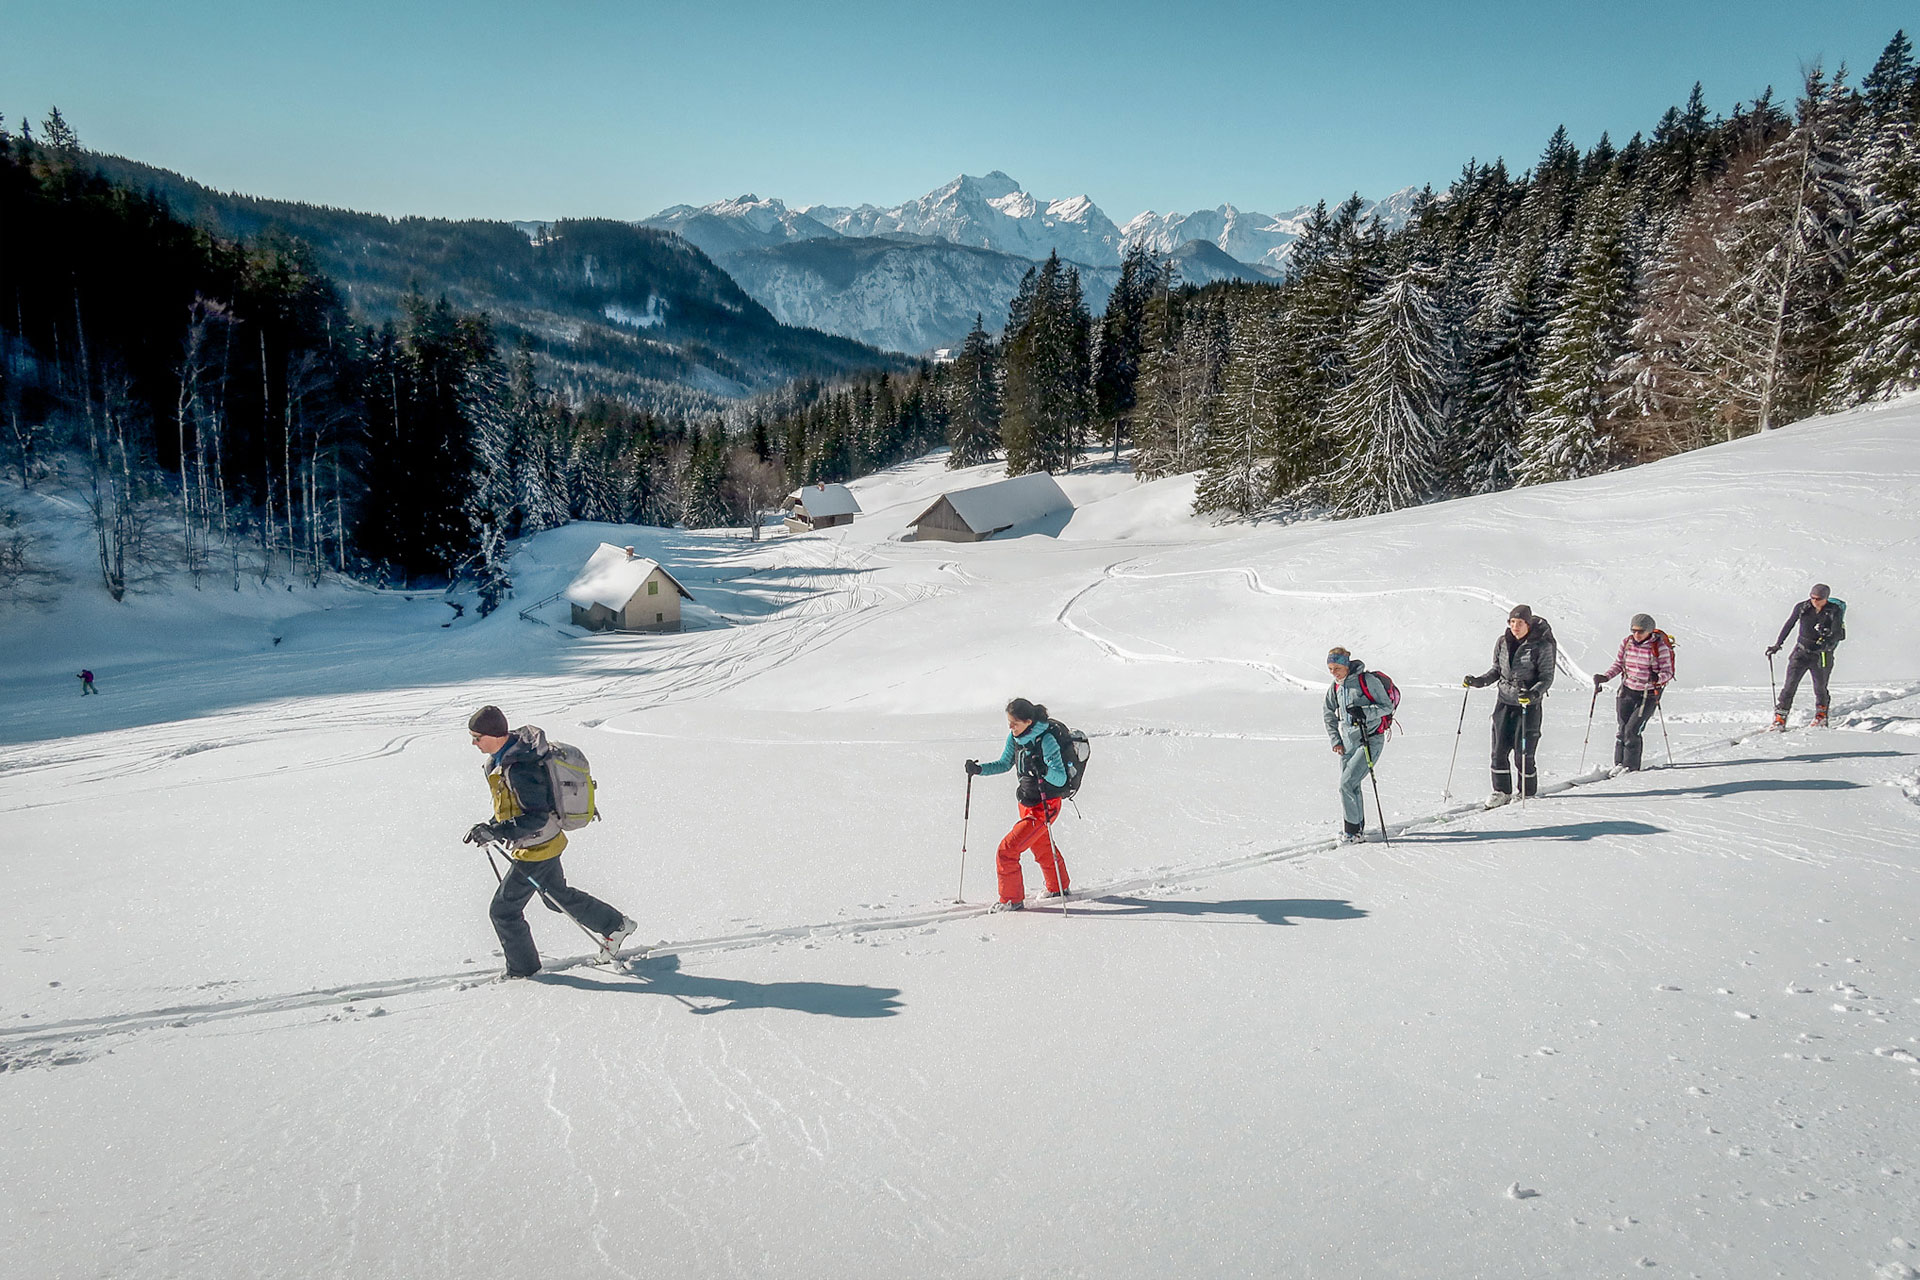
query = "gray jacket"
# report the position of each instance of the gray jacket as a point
(1347, 694)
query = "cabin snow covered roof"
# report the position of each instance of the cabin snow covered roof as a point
(1004, 503)
(823, 500)
(613, 576)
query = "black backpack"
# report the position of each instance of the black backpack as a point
(1074, 754)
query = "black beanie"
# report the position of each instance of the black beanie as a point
(489, 722)
(1520, 611)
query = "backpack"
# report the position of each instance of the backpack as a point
(1840, 624)
(1075, 751)
(1393, 698)
(571, 780)
(1673, 652)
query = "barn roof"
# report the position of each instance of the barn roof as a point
(612, 577)
(1004, 503)
(820, 501)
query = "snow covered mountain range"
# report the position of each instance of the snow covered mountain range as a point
(909, 293)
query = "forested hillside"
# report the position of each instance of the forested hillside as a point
(223, 404)
(604, 307)
(1717, 276)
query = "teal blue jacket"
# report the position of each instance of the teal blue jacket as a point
(1018, 749)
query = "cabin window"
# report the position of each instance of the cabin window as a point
(659, 617)
(653, 586)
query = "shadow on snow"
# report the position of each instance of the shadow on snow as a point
(1264, 910)
(1717, 790)
(1569, 831)
(661, 976)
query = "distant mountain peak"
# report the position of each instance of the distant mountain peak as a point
(993, 211)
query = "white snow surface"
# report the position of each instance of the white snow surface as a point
(1666, 1021)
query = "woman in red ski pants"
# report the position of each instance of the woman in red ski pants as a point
(1033, 755)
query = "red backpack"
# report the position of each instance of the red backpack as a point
(1393, 698)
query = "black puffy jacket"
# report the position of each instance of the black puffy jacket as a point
(1522, 666)
(1820, 629)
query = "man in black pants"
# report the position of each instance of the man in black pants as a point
(526, 822)
(1523, 663)
(1822, 623)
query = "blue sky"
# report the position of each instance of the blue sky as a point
(596, 107)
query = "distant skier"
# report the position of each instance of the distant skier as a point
(525, 822)
(86, 684)
(1645, 665)
(1822, 621)
(1033, 755)
(1523, 662)
(1356, 703)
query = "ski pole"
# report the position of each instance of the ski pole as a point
(966, 816)
(540, 889)
(1059, 873)
(1772, 685)
(1520, 757)
(1446, 792)
(1660, 709)
(1589, 738)
(1376, 786)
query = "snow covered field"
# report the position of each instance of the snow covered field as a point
(1670, 1021)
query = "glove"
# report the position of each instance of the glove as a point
(973, 768)
(1028, 791)
(1772, 649)
(1466, 682)
(1358, 715)
(480, 833)
(1599, 681)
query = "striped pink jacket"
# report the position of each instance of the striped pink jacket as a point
(1647, 662)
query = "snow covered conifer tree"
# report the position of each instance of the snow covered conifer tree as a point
(973, 414)
(1878, 333)
(1122, 342)
(1798, 207)
(1566, 432)
(1179, 380)
(1391, 415)
(1236, 455)
(491, 579)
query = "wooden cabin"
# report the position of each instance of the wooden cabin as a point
(976, 514)
(620, 590)
(819, 506)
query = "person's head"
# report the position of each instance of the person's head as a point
(1641, 626)
(1339, 663)
(1021, 714)
(488, 729)
(1819, 595)
(1520, 621)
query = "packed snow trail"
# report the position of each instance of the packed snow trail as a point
(33, 1043)
(1668, 1020)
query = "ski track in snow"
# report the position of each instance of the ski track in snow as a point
(1117, 571)
(53, 1043)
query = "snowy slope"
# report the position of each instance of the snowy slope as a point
(1668, 1021)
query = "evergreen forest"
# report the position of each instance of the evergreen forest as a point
(193, 361)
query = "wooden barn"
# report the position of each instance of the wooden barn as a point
(819, 506)
(620, 590)
(974, 515)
